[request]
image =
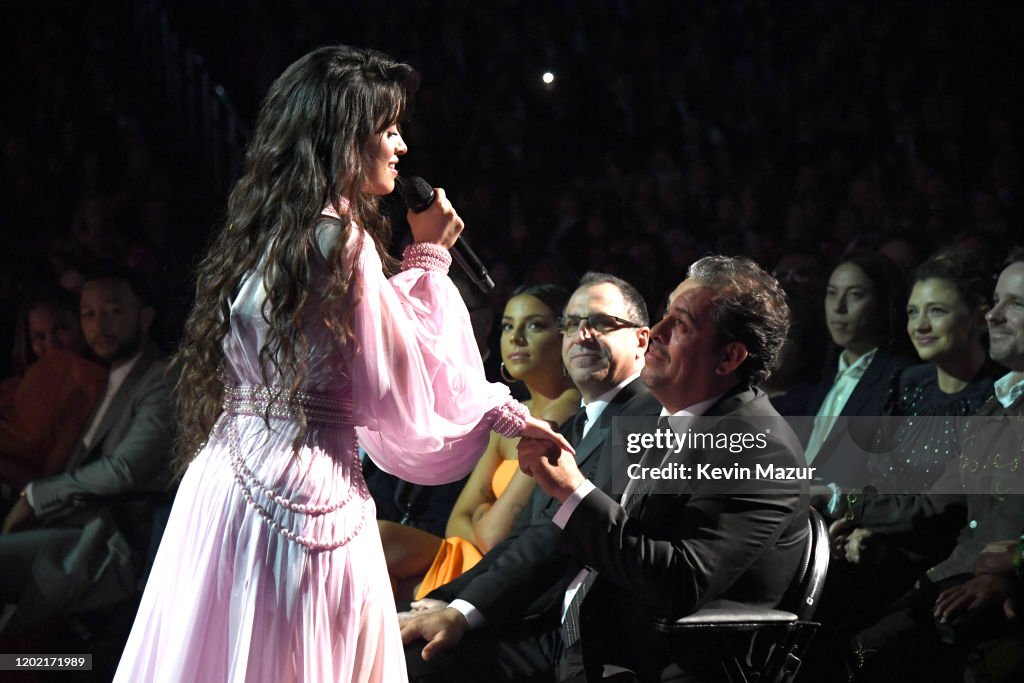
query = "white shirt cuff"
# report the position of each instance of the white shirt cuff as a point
(472, 614)
(565, 511)
(28, 496)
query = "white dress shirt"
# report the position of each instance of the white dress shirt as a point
(847, 378)
(561, 517)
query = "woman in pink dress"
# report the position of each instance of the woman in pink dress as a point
(271, 568)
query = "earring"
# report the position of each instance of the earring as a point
(504, 374)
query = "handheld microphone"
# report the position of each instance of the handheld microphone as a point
(418, 196)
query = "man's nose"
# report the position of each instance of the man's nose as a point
(994, 314)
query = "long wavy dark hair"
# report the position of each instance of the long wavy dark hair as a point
(312, 146)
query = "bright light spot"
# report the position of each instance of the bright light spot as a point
(548, 77)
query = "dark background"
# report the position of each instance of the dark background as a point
(672, 129)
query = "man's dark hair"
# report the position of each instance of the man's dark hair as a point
(1016, 256)
(636, 307)
(120, 273)
(750, 308)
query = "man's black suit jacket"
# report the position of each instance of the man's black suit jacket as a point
(673, 553)
(869, 399)
(525, 575)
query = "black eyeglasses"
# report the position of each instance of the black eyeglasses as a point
(597, 323)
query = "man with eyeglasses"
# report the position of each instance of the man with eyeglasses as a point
(510, 602)
(664, 550)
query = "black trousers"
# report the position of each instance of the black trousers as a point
(908, 644)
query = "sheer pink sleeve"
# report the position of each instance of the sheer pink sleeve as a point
(422, 405)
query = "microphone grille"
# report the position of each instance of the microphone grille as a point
(416, 192)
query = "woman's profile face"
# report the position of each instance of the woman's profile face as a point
(383, 169)
(530, 341)
(851, 309)
(939, 321)
(51, 328)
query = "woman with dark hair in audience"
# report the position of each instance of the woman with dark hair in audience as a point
(497, 491)
(865, 301)
(45, 406)
(946, 324)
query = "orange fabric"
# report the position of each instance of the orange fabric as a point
(50, 408)
(456, 555)
(502, 476)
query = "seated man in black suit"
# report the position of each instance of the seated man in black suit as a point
(512, 596)
(668, 555)
(75, 541)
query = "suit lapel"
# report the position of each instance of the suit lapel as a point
(601, 431)
(855, 405)
(636, 493)
(865, 387)
(117, 404)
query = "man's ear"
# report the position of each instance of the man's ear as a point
(731, 357)
(643, 338)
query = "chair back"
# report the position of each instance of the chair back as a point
(802, 596)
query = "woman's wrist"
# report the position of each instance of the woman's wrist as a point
(428, 256)
(510, 419)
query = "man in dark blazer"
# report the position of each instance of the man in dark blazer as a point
(72, 541)
(841, 458)
(666, 552)
(512, 595)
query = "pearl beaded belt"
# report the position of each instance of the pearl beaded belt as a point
(319, 410)
(267, 503)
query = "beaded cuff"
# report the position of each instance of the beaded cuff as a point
(510, 418)
(427, 256)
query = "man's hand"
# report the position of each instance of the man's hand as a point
(555, 471)
(537, 428)
(442, 630)
(838, 533)
(20, 514)
(424, 606)
(997, 558)
(980, 591)
(858, 550)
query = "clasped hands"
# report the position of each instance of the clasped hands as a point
(993, 581)
(554, 469)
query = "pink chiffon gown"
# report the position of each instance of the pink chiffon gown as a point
(271, 567)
